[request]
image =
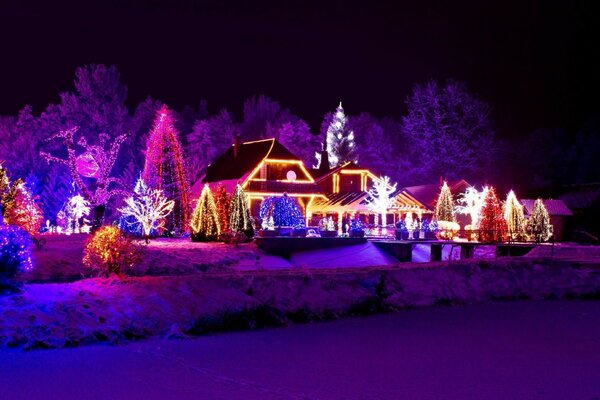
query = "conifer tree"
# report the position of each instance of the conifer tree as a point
(222, 202)
(341, 146)
(444, 207)
(514, 217)
(239, 214)
(165, 168)
(22, 209)
(492, 226)
(205, 220)
(539, 226)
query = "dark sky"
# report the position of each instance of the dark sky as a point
(532, 61)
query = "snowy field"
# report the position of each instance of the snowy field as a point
(506, 350)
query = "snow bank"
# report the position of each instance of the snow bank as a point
(68, 314)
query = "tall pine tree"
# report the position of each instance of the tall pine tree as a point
(165, 168)
(444, 207)
(205, 220)
(222, 201)
(515, 218)
(539, 226)
(341, 146)
(492, 226)
(239, 220)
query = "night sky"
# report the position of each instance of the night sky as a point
(532, 61)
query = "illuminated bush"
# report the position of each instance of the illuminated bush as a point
(110, 251)
(15, 253)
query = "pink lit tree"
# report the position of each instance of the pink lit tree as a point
(165, 168)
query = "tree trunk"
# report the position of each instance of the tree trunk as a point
(98, 216)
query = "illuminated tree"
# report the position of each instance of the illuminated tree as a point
(205, 219)
(165, 168)
(110, 251)
(4, 190)
(444, 207)
(94, 163)
(149, 207)
(284, 210)
(15, 253)
(380, 199)
(514, 217)
(492, 226)
(23, 210)
(76, 209)
(239, 220)
(341, 146)
(470, 203)
(539, 226)
(222, 202)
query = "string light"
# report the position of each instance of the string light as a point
(539, 226)
(514, 217)
(205, 220)
(15, 251)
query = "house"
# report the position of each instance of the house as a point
(346, 189)
(428, 195)
(557, 210)
(584, 201)
(263, 168)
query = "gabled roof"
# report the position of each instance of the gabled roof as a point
(250, 154)
(554, 207)
(582, 196)
(428, 194)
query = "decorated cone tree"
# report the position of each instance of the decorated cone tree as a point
(4, 188)
(222, 202)
(341, 146)
(444, 213)
(239, 218)
(514, 217)
(165, 168)
(23, 210)
(205, 220)
(492, 226)
(539, 226)
(284, 211)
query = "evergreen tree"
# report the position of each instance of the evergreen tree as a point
(444, 207)
(165, 168)
(22, 209)
(340, 140)
(515, 218)
(205, 220)
(4, 189)
(539, 226)
(239, 220)
(284, 211)
(222, 202)
(492, 226)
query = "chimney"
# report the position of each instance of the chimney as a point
(324, 166)
(236, 146)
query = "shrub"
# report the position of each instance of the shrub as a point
(110, 251)
(15, 253)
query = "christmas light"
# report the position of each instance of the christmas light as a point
(15, 252)
(76, 209)
(539, 226)
(21, 209)
(492, 226)
(165, 169)
(470, 203)
(110, 251)
(514, 217)
(239, 220)
(341, 147)
(444, 207)
(149, 208)
(284, 210)
(380, 199)
(205, 220)
(222, 202)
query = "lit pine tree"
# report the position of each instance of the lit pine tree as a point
(222, 202)
(284, 211)
(341, 146)
(239, 220)
(165, 168)
(539, 226)
(22, 209)
(4, 190)
(444, 207)
(205, 220)
(514, 217)
(492, 226)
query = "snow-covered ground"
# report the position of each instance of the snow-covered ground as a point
(508, 350)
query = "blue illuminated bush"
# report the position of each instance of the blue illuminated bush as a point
(285, 211)
(15, 252)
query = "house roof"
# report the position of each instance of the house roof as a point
(554, 207)
(428, 194)
(250, 154)
(581, 197)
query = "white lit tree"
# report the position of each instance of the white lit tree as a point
(539, 226)
(341, 146)
(149, 207)
(470, 203)
(77, 208)
(380, 199)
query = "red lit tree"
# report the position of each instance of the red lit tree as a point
(165, 168)
(23, 209)
(492, 225)
(222, 201)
